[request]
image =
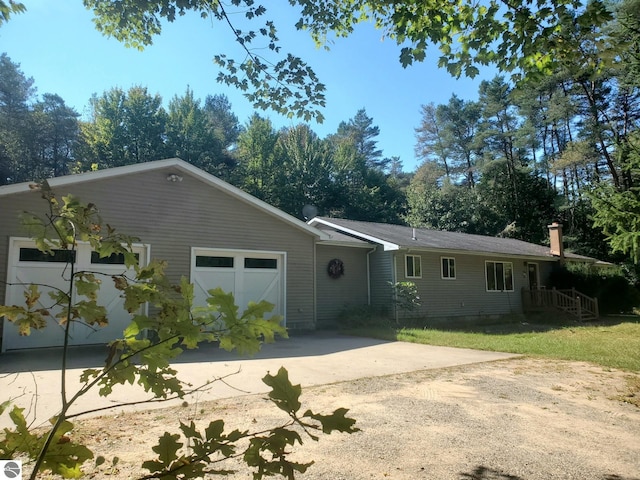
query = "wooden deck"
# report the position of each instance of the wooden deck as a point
(581, 306)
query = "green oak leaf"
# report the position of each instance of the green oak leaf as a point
(283, 393)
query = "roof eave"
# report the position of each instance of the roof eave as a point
(387, 245)
(338, 243)
(453, 251)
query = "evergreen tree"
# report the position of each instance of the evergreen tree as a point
(448, 133)
(361, 133)
(17, 94)
(57, 133)
(224, 128)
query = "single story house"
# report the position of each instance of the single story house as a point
(458, 276)
(218, 235)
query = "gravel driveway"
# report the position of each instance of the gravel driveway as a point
(517, 419)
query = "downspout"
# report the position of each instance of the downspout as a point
(394, 279)
(315, 283)
(369, 274)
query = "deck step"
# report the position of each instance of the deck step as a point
(571, 302)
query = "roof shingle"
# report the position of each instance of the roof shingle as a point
(402, 237)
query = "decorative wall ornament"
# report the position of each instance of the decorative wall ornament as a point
(335, 269)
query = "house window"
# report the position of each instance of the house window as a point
(499, 276)
(448, 268)
(413, 266)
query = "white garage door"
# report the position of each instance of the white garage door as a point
(249, 275)
(27, 265)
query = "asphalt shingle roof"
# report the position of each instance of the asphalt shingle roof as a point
(403, 237)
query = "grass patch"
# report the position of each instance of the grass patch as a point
(614, 344)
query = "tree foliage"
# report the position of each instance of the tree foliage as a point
(125, 128)
(448, 135)
(556, 125)
(8, 8)
(202, 135)
(617, 210)
(37, 136)
(143, 356)
(514, 36)
(270, 79)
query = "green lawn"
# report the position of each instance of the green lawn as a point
(610, 343)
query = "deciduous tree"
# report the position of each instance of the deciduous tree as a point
(125, 128)
(256, 155)
(514, 36)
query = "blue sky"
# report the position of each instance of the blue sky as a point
(55, 43)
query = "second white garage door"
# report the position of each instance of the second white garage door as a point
(249, 275)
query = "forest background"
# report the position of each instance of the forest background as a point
(529, 150)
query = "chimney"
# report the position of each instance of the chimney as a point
(555, 238)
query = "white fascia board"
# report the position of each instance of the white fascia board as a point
(180, 165)
(475, 253)
(387, 245)
(338, 243)
(93, 175)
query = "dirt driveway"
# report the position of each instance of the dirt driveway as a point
(510, 419)
(518, 419)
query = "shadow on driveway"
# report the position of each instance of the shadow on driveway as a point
(94, 356)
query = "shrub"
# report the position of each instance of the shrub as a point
(364, 316)
(615, 291)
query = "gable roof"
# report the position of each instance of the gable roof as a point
(173, 166)
(397, 237)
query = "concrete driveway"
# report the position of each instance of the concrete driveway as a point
(32, 377)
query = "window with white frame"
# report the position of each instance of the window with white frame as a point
(413, 266)
(499, 276)
(448, 268)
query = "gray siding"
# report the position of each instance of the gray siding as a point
(333, 296)
(381, 268)
(173, 217)
(466, 295)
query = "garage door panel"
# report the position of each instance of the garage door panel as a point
(109, 297)
(249, 276)
(261, 286)
(53, 333)
(28, 267)
(209, 280)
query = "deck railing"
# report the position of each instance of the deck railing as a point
(570, 301)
